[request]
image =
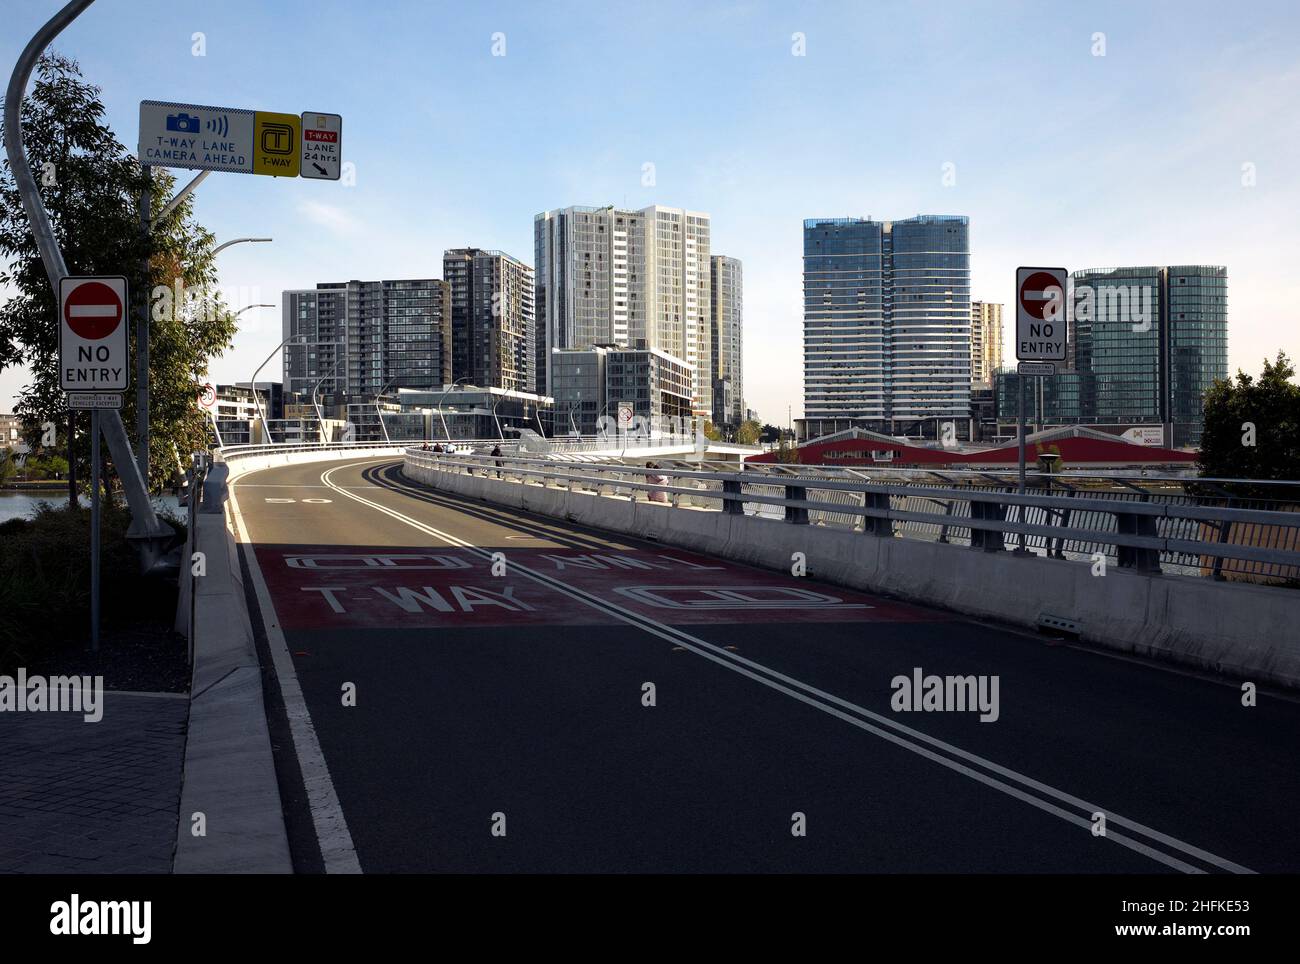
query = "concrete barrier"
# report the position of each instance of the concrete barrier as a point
(229, 771)
(238, 464)
(1244, 631)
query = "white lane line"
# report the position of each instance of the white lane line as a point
(332, 834)
(729, 660)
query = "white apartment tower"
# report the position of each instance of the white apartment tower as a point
(727, 292)
(609, 276)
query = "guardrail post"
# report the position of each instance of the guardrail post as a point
(874, 524)
(796, 514)
(1133, 557)
(989, 540)
(943, 529)
(732, 506)
(1224, 533)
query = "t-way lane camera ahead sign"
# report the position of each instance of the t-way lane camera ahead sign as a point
(1040, 314)
(92, 338)
(242, 141)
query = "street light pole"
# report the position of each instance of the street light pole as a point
(221, 247)
(380, 414)
(441, 397)
(252, 384)
(500, 434)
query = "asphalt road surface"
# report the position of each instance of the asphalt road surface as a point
(500, 664)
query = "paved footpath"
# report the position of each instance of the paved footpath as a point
(78, 797)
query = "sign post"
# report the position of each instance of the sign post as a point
(1041, 334)
(94, 368)
(94, 530)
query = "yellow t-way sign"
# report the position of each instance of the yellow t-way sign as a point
(276, 140)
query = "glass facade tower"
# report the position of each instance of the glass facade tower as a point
(887, 322)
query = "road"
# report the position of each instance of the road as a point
(500, 665)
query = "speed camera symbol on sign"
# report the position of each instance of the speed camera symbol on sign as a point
(93, 334)
(1040, 314)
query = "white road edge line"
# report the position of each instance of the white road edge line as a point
(332, 834)
(728, 659)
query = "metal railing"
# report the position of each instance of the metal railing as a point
(1152, 524)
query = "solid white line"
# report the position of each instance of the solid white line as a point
(729, 660)
(332, 834)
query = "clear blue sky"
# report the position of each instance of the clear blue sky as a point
(1061, 157)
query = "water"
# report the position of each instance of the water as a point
(21, 505)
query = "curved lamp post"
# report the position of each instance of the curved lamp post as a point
(445, 392)
(379, 413)
(221, 247)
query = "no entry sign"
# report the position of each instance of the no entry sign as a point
(1040, 314)
(92, 341)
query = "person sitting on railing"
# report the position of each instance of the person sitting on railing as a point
(425, 447)
(496, 454)
(656, 495)
(437, 447)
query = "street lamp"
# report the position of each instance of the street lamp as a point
(379, 413)
(441, 397)
(246, 307)
(221, 247)
(252, 384)
(497, 420)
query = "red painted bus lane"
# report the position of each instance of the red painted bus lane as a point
(382, 586)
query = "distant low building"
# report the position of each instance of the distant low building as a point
(11, 430)
(463, 412)
(591, 384)
(1078, 447)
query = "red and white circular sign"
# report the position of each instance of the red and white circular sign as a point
(207, 395)
(93, 310)
(1038, 298)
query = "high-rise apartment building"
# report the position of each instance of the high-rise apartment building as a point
(1153, 339)
(887, 320)
(985, 342)
(726, 291)
(608, 276)
(492, 318)
(351, 340)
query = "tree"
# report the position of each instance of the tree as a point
(749, 432)
(1252, 428)
(786, 451)
(91, 186)
(711, 432)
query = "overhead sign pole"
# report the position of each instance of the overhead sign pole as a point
(145, 525)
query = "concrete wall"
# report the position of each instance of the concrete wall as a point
(1243, 631)
(243, 464)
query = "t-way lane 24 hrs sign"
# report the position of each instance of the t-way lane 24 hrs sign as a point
(242, 141)
(1040, 314)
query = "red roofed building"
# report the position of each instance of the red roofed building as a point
(1078, 447)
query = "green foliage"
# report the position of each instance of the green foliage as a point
(7, 467)
(92, 200)
(711, 432)
(47, 465)
(1272, 406)
(749, 432)
(45, 578)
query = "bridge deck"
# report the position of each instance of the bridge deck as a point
(522, 694)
